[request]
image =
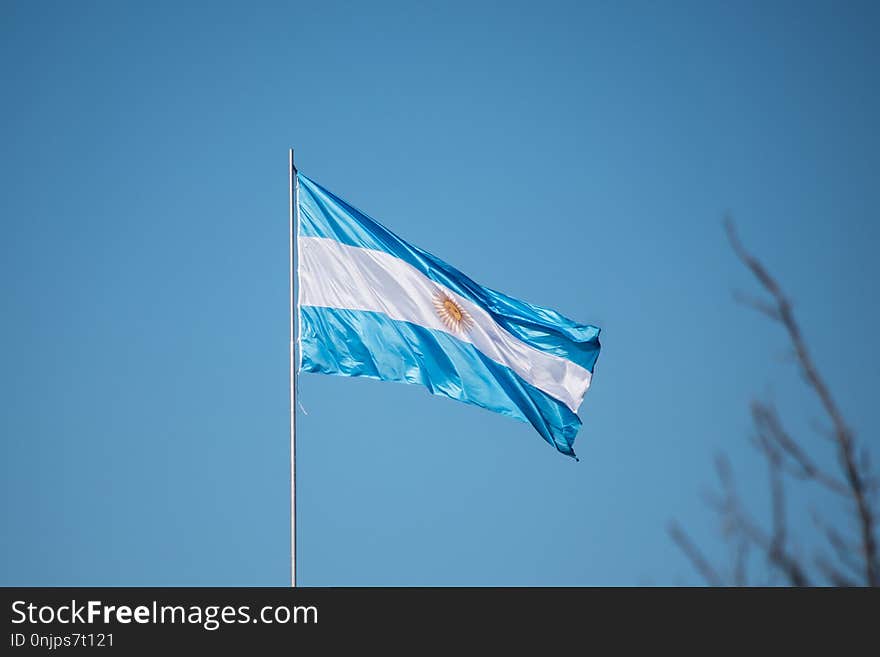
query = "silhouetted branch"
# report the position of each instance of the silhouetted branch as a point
(785, 455)
(836, 577)
(738, 521)
(740, 563)
(843, 550)
(842, 434)
(758, 305)
(769, 427)
(700, 563)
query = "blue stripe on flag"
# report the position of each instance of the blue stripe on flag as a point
(369, 344)
(323, 214)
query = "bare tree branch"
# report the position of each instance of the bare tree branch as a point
(756, 304)
(836, 577)
(843, 549)
(700, 563)
(772, 545)
(740, 563)
(769, 426)
(778, 557)
(785, 455)
(843, 436)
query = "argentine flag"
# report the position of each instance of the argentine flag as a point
(373, 305)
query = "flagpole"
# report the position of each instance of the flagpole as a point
(293, 208)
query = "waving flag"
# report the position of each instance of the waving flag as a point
(372, 305)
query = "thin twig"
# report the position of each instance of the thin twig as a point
(842, 549)
(842, 434)
(834, 576)
(740, 563)
(768, 424)
(756, 304)
(700, 563)
(772, 545)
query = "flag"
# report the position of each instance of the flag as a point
(372, 305)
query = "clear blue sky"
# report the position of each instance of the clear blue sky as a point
(577, 155)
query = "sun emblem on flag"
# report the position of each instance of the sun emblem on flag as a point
(450, 312)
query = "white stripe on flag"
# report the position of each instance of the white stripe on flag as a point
(335, 275)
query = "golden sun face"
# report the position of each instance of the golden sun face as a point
(453, 316)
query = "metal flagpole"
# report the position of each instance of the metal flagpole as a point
(293, 208)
